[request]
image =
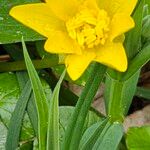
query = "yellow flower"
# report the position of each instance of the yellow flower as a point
(84, 30)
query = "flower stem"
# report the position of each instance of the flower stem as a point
(75, 127)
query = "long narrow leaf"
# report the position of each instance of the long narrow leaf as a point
(138, 62)
(91, 135)
(110, 138)
(53, 123)
(75, 127)
(22, 76)
(17, 117)
(133, 38)
(143, 92)
(40, 99)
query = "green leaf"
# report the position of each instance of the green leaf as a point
(10, 93)
(11, 29)
(8, 96)
(118, 96)
(40, 99)
(138, 62)
(16, 53)
(138, 138)
(133, 38)
(65, 116)
(3, 135)
(145, 11)
(76, 124)
(143, 92)
(32, 112)
(53, 122)
(148, 2)
(16, 120)
(8, 100)
(26, 146)
(110, 137)
(146, 27)
(91, 135)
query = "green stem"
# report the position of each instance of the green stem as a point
(75, 127)
(119, 95)
(20, 65)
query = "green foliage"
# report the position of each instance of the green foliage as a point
(76, 124)
(143, 92)
(52, 130)
(138, 138)
(53, 118)
(133, 38)
(137, 62)
(9, 97)
(40, 100)
(110, 137)
(16, 121)
(11, 30)
(3, 135)
(31, 115)
(91, 135)
(118, 96)
(146, 26)
(65, 113)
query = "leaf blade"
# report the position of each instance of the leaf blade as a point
(16, 120)
(110, 139)
(53, 122)
(40, 99)
(71, 139)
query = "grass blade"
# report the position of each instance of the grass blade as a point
(14, 51)
(110, 138)
(53, 123)
(31, 108)
(40, 99)
(137, 62)
(17, 117)
(91, 135)
(143, 92)
(75, 127)
(133, 38)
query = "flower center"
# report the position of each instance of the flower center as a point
(88, 28)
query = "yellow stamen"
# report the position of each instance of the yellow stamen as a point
(89, 29)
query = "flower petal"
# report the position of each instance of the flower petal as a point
(60, 42)
(77, 64)
(120, 24)
(91, 4)
(112, 55)
(38, 17)
(64, 9)
(117, 6)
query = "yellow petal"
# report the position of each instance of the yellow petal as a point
(120, 24)
(117, 6)
(60, 42)
(64, 9)
(91, 4)
(112, 55)
(76, 64)
(38, 17)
